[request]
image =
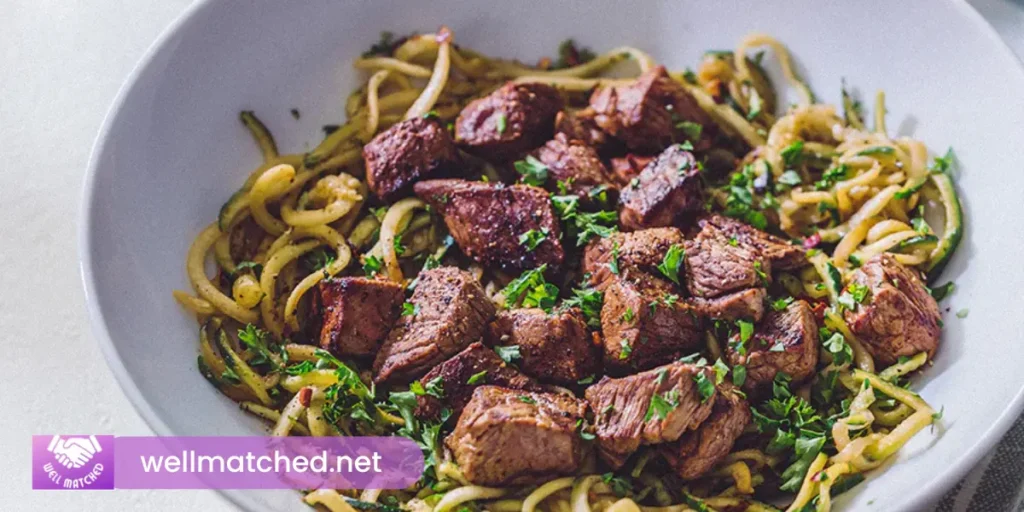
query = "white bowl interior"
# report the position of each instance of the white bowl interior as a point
(172, 151)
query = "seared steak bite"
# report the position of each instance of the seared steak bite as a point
(625, 168)
(781, 254)
(645, 113)
(742, 305)
(645, 324)
(898, 317)
(667, 192)
(580, 126)
(475, 366)
(698, 452)
(513, 437)
(624, 418)
(786, 341)
(412, 150)
(644, 250)
(488, 220)
(511, 120)
(356, 313)
(451, 311)
(553, 347)
(575, 165)
(717, 265)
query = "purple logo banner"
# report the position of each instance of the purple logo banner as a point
(88, 462)
(267, 462)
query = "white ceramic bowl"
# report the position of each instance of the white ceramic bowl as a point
(172, 150)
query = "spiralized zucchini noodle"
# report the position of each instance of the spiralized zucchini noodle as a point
(823, 177)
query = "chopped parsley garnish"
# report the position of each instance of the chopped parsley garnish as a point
(793, 154)
(671, 263)
(835, 277)
(755, 104)
(533, 171)
(704, 386)
(501, 123)
(691, 129)
(532, 289)
(410, 309)
(628, 316)
(694, 359)
(739, 374)
(372, 265)
(663, 404)
(943, 164)
(477, 377)
(397, 244)
(257, 340)
(584, 225)
(721, 370)
(942, 291)
(433, 388)
(831, 176)
(318, 259)
(842, 352)
(526, 399)
(256, 268)
(613, 262)
(532, 238)
(790, 178)
(626, 350)
(301, 368)
(509, 353)
(585, 381)
(589, 301)
(782, 303)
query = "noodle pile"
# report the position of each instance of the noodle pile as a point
(826, 181)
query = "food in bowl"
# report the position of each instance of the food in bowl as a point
(581, 291)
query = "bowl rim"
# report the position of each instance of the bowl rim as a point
(927, 493)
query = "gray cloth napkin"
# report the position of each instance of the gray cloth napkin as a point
(996, 484)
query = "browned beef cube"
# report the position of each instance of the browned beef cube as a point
(745, 304)
(781, 254)
(898, 317)
(645, 114)
(625, 168)
(512, 437)
(487, 220)
(716, 264)
(698, 452)
(645, 324)
(508, 122)
(785, 341)
(576, 165)
(451, 311)
(644, 250)
(475, 366)
(624, 418)
(580, 126)
(412, 150)
(554, 347)
(357, 313)
(668, 192)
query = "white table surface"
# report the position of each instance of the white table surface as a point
(62, 63)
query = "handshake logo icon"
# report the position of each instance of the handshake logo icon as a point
(72, 462)
(74, 452)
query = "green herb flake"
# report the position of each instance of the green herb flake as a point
(477, 378)
(672, 262)
(533, 171)
(509, 353)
